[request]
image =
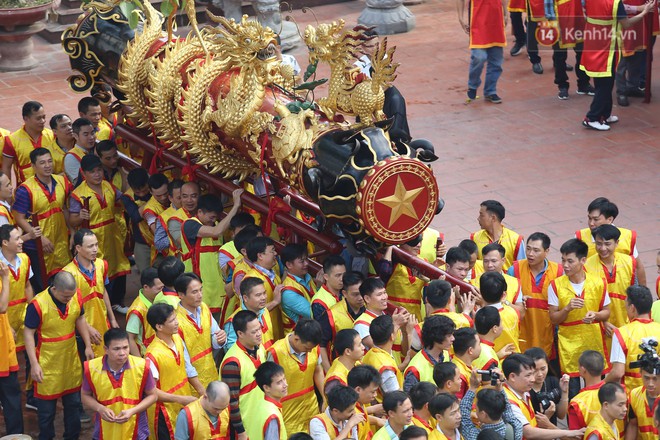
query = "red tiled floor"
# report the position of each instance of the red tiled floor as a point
(529, 152)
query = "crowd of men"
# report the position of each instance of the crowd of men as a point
(230, 336)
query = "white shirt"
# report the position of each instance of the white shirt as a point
(4, 220)
(318, 432)
(616, 353)
(517, 412)
(553, 299)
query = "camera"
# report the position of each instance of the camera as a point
(546, 397)
(648, 360)
(489, 375)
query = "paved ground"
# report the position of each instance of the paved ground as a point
(530, 152)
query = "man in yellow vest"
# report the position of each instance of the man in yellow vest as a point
(85, 135)
(299, 287)
(447, 377)
(365, 379)
(350, 350)
(238, 368)
(112, 172)
(140, 333)
(207, 417)
(299, 355)
(602, 211)
(476, 266)
(382, 332)
(446, 415)
(266, 422)
(200, 244)
(90, 109)
(399, 410)
(488, 324)
(437, 337)
(342, 315)
(172, 369)
(91, 274)
(168, 271)
(228, 251)
(159, 202)
(493, 258)
(340, 420)
(467, 349)
(457, 263)
(104, 204)
(420, 396)
(329, 293)
(441, 300)
(614, 406)
(585, 405)
(54, 316)
(6, 197)
(63, 131)
(238, 267)
(519, 370)
(44, 195)
(535, 274)
(134, 200)
(119, 388)
(163, 241)
(491, 214)
(493, 291)
(618, 270)
(188, 209)
(643, 401)
(197, 327)
(627, 339)
(33, 135)
(10, 390)
(578, 303)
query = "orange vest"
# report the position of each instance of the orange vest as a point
(22, 144)
(102, 221)
(17, 299)
(290, 283)
(623, 275)
(198, 343)
(91, 293)
(48, 209)
(57, 352)
(510, 240)
(574, 336)
(646, 430)
(118, 395)
(405, 290)
(200, 425)
(629, 337)
(300, 404)
(536, 328)
(140, 309)
(172, 379)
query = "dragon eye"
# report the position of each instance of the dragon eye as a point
(248, 41)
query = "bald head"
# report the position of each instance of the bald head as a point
(189, 196)
(64, 287)
(216, 398)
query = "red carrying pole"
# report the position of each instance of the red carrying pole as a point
(34, 220)
(85, 223)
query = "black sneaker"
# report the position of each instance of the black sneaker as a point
(494, 99)
(472, 94)
(563, 94)
(588, 90)
(537, 68)
(569, 68)
(517, 49)
(84, 417)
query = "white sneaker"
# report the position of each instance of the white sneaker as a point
(594, 125)
(612, 120)
(120, 309)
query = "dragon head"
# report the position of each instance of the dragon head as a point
(330, 42)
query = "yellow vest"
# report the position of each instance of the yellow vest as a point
(383, 434)
(91, 293)
(512, 287)
(118, 395)
(337, 371)
(105, 131)
(17, 299)
(646, 430)
(172, 379)
(198, 343)
(276, 313)
(405, 290)
(8, 360)
(629, 337)
(366, 318)
(325, 298)
(488, 357)
(476, 272)
(251, 398)
(525, 405)
(268, 410)
(266, 327)
(465, 373)
(78, 153)
(57, 352)
(291, 284)
(229, 250)
(601, 428)
(144, 229)
(200, 425)
(585, 405)
(536, 330)
(6, 213)
(48, 210)
(328, 424)
(574, 336)
(339, 319)
(436, 434)
(510, 321)
(460, 320)
(300, 404)
(426, 425)
(626, 246)
(162, 219)
(421, 366)
(383, 361)
(102, 222)
(364, 428)
(140, 309)
(428, 250)
(623, 276)
(201, 258)
(154, 208)
(510, 240)
(23, 145)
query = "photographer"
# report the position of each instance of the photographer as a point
(643, 400)
(627, 339)
(519, 373)
(549, 394)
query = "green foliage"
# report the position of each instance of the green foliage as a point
(11, 4)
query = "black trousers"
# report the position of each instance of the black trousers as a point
(559, 57)
(117, 290)
(601, 106)
(36, 280)
(518, 27)
(10, 398)
(532, 43)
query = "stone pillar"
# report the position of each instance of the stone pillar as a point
(16, 48)
(387, 17)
